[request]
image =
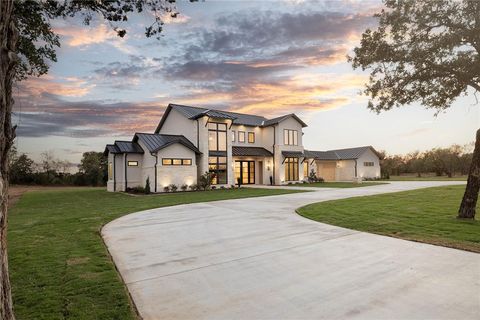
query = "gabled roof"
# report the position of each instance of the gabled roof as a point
(293, 154)
(339, 154)
(111, 148)
(123, 147)
(250, 151)
(237, 118)
(155, 142)
(280, 119)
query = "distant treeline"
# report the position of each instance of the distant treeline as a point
(451, 161)
(92, 170)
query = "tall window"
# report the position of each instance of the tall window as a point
(291, 169)
(233, 136)
(218, 166)
(305, 170)
(290, 137)
(241, 136)
(110, 171)
(251, 137)
(217, 136)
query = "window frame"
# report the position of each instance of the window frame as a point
(217, 163)
(368, 163)
(241, 134)
(233, 135)
(171, 160)
(217, 128)
(290, 137)
(110, 170)
(290, 164)
(251, 134)
(132, 163)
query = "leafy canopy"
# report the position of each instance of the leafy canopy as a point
(38, 42)
(426, 51)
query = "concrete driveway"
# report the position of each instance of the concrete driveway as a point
(256, 259)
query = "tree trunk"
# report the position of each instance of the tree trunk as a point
(469, 202)
(8, 58)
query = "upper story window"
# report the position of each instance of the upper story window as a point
(251, 137)
(290, 137)
(241, 136)
(217, 136)
(368, 164)
(233, 135)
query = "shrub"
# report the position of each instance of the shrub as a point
(193, 187)
(213, 187)
(173, 187)
(137, 189)
(205, 180)
(232, 186)
(222, 187)
(166, 189)
(184, 187)
(320, 179)
(147, 186)
(312, 177)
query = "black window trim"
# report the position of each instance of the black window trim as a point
(132, 163)
(290, 143)
(181, 159)
(243, 134)
(253, 134)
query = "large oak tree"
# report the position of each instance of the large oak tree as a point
(429, 52)
(27, 44)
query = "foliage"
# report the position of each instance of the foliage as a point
(205, 180)
(94, 166)
(425, 51)
(184, 187)
(38, 41)
(322, 184)
(21, 167)
(194, 187)
(312, 176)
(137, 189)
(166, 189)
(59, 266)
(147, 186)
(173, 187)
(424, 215)
(441, 161)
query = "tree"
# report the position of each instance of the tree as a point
(425, 51)
(27, 43)
(94, 166)
(21, 167)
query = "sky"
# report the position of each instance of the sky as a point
(267, 58)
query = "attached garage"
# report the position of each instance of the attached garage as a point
(326, 170)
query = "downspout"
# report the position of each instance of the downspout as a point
(125, 165)
(274, 142)
(114, 178)
(355, 167)
(198, 134)
(155, 168)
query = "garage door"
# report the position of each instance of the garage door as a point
(327, 171)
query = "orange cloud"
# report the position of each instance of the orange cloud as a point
(82, 36)
(67, 87)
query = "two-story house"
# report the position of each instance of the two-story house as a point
(238, 148)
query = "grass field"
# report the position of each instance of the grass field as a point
(337, 184)
(425, 215)
(427, 178)
(59, 266)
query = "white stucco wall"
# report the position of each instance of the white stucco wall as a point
(177, 175)
(176, 123)
(369, 172)
(292, 124)
(345, 170)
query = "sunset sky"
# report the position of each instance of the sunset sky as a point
(267, 58)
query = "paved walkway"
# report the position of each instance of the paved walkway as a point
(256, 259)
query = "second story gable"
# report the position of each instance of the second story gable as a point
(242, 130)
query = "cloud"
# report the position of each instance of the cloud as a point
(83, 35)
(68, 87)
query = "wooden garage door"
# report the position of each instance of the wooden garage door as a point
(327, 171)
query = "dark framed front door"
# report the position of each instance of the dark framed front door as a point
(245, 171)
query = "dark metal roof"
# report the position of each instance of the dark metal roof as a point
(251, 151)
(111, 148)
(155, 142)
(339, 154)
(128, 147)
(293, 154)
(280, 119)
(237, 118)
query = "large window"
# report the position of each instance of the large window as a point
(241, 136)
(251, 137)
(110, 171)
(217, 136)
(290, 137)
(176, 162)
(305, 170)
(291, 169)
(218, 166)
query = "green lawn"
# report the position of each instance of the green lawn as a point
(427, 178)
(337, 184)
(59, 266)
(425, 215)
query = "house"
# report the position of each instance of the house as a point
(238, 148)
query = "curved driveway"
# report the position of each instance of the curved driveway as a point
(256, 259)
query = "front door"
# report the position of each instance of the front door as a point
(245, 171)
